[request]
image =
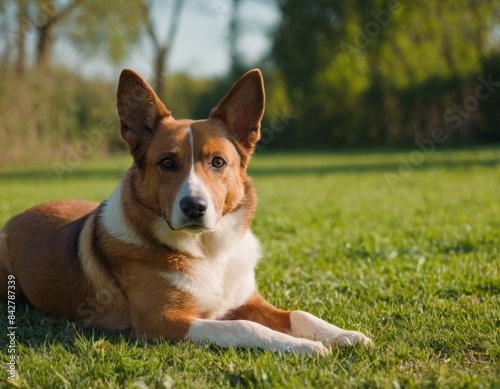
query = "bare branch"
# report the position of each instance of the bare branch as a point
(146, 14)
(174, 24)
(51, 15)
(67, 9)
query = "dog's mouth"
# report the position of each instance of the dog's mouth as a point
(194, 227)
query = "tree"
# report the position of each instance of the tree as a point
(49, 15)
(104, 27)
(380, 71)
(7, 34)
(91, 25)
(303, 45)
(22, 26)
(162, 46)
(234, 33)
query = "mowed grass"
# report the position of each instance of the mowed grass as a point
(410, 259)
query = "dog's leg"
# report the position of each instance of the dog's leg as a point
(244, 333)
(299, 324)
(223, 333)
(305, 325)
(178, 319)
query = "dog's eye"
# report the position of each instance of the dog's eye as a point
(217, 162)
(167, 163)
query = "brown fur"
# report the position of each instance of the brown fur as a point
(41, 245)
(257, 309)
(68, 265)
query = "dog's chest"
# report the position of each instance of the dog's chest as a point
(221, 282)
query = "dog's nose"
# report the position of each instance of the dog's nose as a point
(193, 207)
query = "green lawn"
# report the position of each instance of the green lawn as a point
(412, 261)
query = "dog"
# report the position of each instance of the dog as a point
(169, 254)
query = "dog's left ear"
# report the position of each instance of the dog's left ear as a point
(241, 110)
(139, 109)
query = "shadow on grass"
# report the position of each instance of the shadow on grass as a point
(393, 167)
(382, 168)
(50, 175)
(34, 329)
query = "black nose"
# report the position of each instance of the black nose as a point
(193, 207)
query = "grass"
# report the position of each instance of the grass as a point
(414, 262)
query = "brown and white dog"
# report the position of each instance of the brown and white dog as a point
(169, 253)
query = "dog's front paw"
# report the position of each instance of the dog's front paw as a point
(308, 347)
(349, 338)
(305, 325)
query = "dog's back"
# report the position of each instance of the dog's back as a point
(39, 247)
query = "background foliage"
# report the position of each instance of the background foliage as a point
(340, 73)
(387, 72)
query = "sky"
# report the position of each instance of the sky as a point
(200, 48)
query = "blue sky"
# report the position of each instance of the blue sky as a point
(200, 48)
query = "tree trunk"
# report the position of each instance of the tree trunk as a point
(234, 33)
(45, 30)
(162, 47)
(22, 24)
(45, 44)
(160, 63)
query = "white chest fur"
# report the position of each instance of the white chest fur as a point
(221, 275)
(221, 282)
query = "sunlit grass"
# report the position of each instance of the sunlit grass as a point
(413, 263)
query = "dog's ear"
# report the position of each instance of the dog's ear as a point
(139, 109)
(242, 108)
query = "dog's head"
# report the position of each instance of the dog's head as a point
(191, 172)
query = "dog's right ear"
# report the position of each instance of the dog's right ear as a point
(139, 109)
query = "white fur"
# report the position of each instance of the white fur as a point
(221, 276)
(114, 219)
(107, 297)
(193, 186)
(90, 265)
(226, 234)
(244, 333)
(305, 325)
